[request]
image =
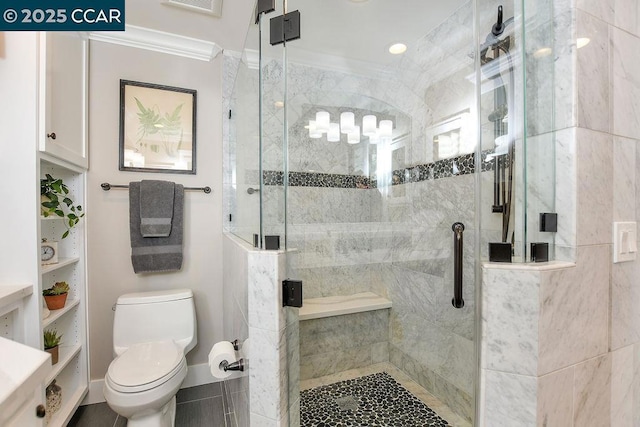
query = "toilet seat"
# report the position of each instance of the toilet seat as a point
(145, 366)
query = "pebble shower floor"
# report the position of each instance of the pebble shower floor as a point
(372, 400)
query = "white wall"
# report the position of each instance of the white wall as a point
(109, 264)
(19, 170)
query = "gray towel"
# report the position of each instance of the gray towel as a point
(156, 208)
(154, 254)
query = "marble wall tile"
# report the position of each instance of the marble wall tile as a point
(574, 324)
(539, 86)
(294, 414)
(332, 281)
(595, 197)
(626, 83)
(625, 304)
(592, 392)
(267, 394)
(636, 384)
(460, 401)
(318, 365)
(454, 397)
(424, 288)
(565, 93)
(603, 9)
(265, 292)
(509, 399)
(627, 16)
(622, 379)
(624, 179)
(448, 355)
(511, 308)
(332, 334)
(593, 68)
(540, 184)
(258, 420)
(637, 194)
(555, 398)
(380, 352)
(566, 187)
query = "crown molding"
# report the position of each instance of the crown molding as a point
(159, 41)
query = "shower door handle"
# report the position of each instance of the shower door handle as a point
(458, 230)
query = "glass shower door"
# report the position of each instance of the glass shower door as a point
(380, 160)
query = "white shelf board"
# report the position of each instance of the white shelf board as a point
(69, 406)
(317, 308)
(65, 355)
(13, 293)
(62, 262)
(56, 314)
(50, 218)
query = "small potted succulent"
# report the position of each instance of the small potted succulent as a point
(56, 296)
(51, 344)
(55, 201)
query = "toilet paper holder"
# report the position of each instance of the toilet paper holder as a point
(236, 344)
(235, 366)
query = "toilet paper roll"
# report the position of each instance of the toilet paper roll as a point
(245, 349)
(221, 351)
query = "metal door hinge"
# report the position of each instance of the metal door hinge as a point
(264, 6)
(292, 293)
(285, 27)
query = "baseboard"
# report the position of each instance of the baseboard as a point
(196, 375)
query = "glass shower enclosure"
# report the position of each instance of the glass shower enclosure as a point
(385, 171)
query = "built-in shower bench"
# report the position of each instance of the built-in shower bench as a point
(318, 308)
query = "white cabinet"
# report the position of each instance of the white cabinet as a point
(63, 96)
(24, 77)
(71, 371)
(23, 369)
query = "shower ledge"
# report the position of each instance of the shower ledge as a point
(317, 308)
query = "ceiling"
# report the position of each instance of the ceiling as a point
(228, 31)
(357, 30)
(364, 30)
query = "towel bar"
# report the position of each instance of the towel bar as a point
(106, 187)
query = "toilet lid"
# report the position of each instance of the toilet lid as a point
(145, 363)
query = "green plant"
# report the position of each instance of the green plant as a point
(168, 127)
(55, 201)
(58, 288)
(51, 339)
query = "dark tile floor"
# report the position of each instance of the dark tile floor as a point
(372, 400)
(205, 405)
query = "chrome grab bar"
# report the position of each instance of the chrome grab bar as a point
(458, 229)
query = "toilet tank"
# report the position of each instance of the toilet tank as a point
(155, 316)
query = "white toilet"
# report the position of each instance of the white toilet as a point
(152, 333)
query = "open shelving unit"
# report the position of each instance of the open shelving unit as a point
(71, 371)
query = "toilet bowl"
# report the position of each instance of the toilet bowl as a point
(143, 379)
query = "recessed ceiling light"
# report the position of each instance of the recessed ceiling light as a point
(582, 42)
(278, 104)
(397, 48)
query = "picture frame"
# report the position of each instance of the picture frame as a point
(157, 128)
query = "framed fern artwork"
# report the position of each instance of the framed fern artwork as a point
(157, 128)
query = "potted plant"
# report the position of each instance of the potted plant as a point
(51, 343)
(55, 201)
(56, 296)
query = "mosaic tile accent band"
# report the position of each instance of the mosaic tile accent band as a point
(315, 179)
(461, 165)
(372, 400)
